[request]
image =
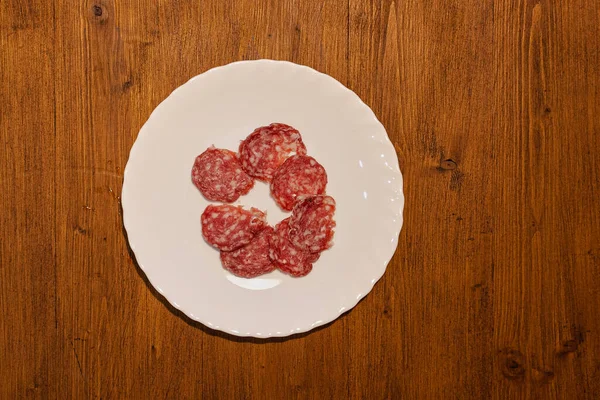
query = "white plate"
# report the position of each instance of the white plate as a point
(222, 106)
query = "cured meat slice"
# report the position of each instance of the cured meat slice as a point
(299, 175)
(265, 149)
(252, 259)
(227, 227)
(287, 257)
(218, 174)
(312, 224)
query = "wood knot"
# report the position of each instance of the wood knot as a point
(99, 13)
(542, 375)
(570, 346)
(512, 364)
(448, 165)
(97, 10)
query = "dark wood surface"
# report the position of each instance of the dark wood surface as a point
(494, 109)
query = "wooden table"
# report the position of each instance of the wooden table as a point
(494, 108)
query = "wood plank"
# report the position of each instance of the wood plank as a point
(550, 216)
(28, 340)
(437, 65)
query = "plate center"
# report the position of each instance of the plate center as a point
(260, 197)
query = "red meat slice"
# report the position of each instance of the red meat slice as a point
(311, 224)
(219, 176)
(252, 259)
(299, 175)
(228, 228)
(287, 257)
(265, 149)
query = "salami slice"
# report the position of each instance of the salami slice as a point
(228, 228)
(287, 257)
(265, 149)
(299, 175)
(218, 174)
(312, 224)
(252, 259)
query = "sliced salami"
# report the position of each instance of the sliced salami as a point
(265, 149)
(299, 175)
(227, 227)
(252, 259)
(287, 257)
(312, 224)
(219, 176)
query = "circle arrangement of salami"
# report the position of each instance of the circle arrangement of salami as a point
(228, 227)
(312, 224)
(265, 149)
(249, 247)
(217, 173)
(299, 175)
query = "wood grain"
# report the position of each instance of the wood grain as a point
(494, 109)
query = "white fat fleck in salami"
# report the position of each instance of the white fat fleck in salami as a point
(218, 175)
(265, 149)
(252, 259)
(311, 226)
(286, 256)
(299, 175)
(227, 227)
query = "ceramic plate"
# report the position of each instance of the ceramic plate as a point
(161, 206)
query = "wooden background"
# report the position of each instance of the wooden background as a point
(494, 108)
